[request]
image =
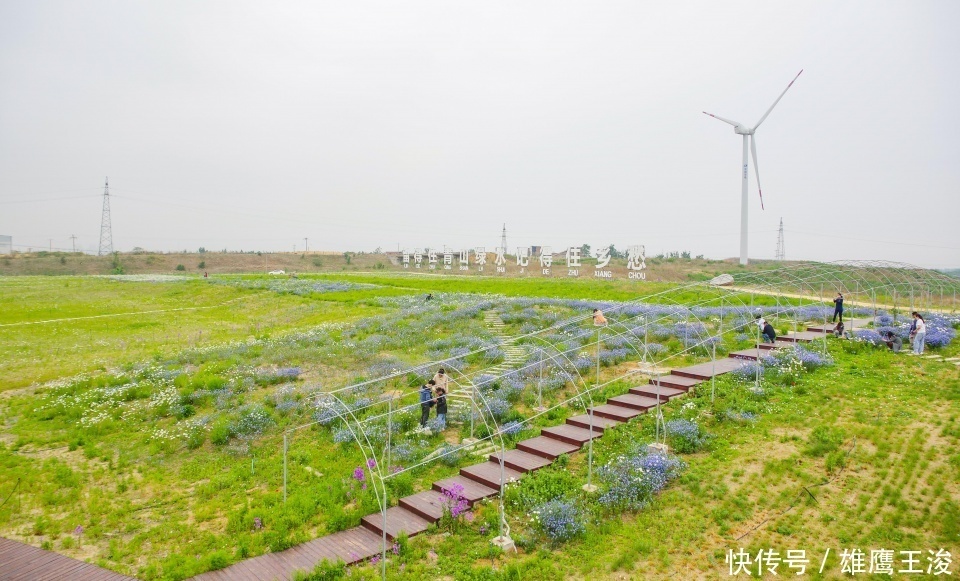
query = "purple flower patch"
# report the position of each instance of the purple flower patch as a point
(454, 501)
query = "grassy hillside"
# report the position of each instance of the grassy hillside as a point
(60, 263)
(156, 448)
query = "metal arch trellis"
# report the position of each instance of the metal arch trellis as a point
(360, 423)
(555, 326)
(871, 275)
(349, 426)
(383, 472)
(588, 406)
(791, 274)
(382, 494)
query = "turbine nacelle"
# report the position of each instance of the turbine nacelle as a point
(741, 130)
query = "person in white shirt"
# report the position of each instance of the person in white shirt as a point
(920, 335)
(761, 322)
(442, 379)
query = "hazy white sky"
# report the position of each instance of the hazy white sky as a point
(362, 124)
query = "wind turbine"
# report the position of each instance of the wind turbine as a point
(746, 132)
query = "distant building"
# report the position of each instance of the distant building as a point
(6, 245)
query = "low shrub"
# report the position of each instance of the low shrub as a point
(541, 486)
(630, 481)
(686, 436)
(824, 439)
(221, 431)
(559, 520)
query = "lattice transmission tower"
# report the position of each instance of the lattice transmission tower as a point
(503, 239)
(781, 250)
(106, 232)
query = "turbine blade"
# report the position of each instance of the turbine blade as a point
(734, 123)
(756, 167)
(777, 101)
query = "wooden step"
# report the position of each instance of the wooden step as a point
(801, 337)
(545, 447)
(704, 371)
(821, 328)
(399, 520)
(615, 412)
(489, 474)
(471, 489)
(751, 354)
(521, 461)
(652, 391)
(351, 546)
(632, 400)
(675, 381)
(599, 424)
(779, 344)
(570, 434)
(428, 504)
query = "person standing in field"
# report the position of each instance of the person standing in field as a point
(442, 405)
(920, 334)
(426, 402)
(913, 329)
(442, 380)
(838, 308)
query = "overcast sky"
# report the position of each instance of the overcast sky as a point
(363, 124)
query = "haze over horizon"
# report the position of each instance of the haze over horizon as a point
(250, 126)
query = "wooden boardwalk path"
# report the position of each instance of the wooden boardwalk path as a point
(22, 562)
(414, 514)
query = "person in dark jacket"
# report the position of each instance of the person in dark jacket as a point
(442, 405)
(426, 402)
(769, 335)
(838, 308)
(838, 331)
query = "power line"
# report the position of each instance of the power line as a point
(49, 199)
(280, 217)
(876, 241)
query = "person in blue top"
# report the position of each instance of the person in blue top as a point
(838, 308)
(426, 402)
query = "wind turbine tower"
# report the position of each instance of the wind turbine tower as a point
(749, 132)
(781, 250)
(106, 232)
(503, 239)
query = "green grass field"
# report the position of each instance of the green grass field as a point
(55, 327)
(142, 427)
